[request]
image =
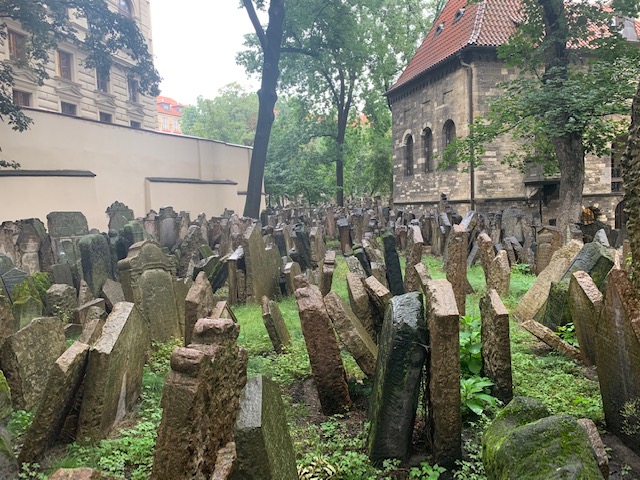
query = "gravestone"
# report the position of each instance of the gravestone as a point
(443, 324)
(324, 354)
(392, 264)
(618, 357)
(291, 270)
(318, 248)
(5, 399)
(6, 264)
(63, 303)
(328, 266)
(199, 303)
(12, 279)
(167, 227)
(275, 325)
(65, 230)
(496, 346)
(549, 240)
(394, 396)
(354, 266)
(262, 266)
(344, 230)
(26, 309)
(27, 356)
(119, 215)
(456, 265)
(361, 304)
(532, 301)
(263, 444)
(28, 245)
(8, 324)
(190, 251)
(525, 442)
(414, 257)
(112, 293)
(114, 373)
(8, 463)
(61, 273)
(61, 388)
(499, 274)
(585, 303)
(352, 333)
(200, 402)
(96, 261)
(147, 280)
(380, 297)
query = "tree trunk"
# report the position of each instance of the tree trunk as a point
(631, 177)
(267, 97)
(570, 152)
(342, 128)
(568, 147)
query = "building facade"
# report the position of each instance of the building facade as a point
(169, 115)
(72, 89)
(446, 85)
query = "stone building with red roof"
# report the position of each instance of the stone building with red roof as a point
(169, 115)
(447, 83)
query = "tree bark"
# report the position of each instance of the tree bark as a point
(271, 43)
(568, 147)
(631, 177)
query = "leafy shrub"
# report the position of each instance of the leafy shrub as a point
(568, 334)
(475, 395)
(470, 346)
(426, 472)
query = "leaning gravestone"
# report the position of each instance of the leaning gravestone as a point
(61, 388)
(414, 257)
(360, 303)
(199, 303)
(147, 280)
(549, 240)
(496, 346)
(96, 261)
(352, 334)
(12, 279)
(456, 265)
(324, 354)
(263, 443)
(263, 266)
(618, 358)
(114, 373)
(532, 301)
(200, 402)
(274, 323)
(585, 303)
(394, 397)
(27, 357)
(392, 263)
(443, 324)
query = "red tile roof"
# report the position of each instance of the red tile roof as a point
(175, 108)
(485, 23)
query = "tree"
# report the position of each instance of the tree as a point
(336, 53)
(577, 78)
(48, 22)
(270, 44)
(230, 117)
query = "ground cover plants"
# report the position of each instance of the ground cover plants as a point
(334, 447)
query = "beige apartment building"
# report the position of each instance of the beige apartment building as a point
(75, 90)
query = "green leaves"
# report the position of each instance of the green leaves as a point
(475, 396)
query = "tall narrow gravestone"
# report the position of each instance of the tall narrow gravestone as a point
(496, 346)
(394, 398)
(324, 353)
(443, 323)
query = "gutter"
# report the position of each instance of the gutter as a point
(472, 176)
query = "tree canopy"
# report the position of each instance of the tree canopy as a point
(49, 22)
(230, 117)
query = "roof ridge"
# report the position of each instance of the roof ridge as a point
(477, 24)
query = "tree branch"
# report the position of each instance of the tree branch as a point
(253, 16)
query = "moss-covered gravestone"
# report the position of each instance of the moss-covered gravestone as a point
(525, 443)
(5, 398)
(394, 398)
(263, 443)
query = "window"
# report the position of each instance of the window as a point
(106, 117)
(408, 156)
(17, 46)
(135, 124)
(125, 8)
(165, 122)
(439, 29)
(65, 65)
(459, 15)
(428, 150)
(22, 98)
(102, 81)
(176, 126)
(68, 108)
(448, 136)
(133, 90)
(165, 106)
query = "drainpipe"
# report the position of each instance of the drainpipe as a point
(472, 177)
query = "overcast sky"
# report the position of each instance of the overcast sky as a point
(195, 43)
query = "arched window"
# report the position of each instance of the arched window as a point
(408, 156)
(448, 136)
(428, 149)
(617, 149)
(125, 8)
